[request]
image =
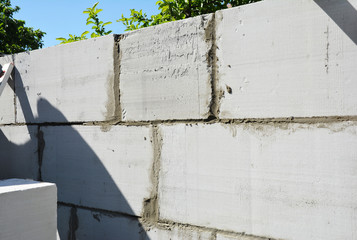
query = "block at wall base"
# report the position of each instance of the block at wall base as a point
(281, 65)
(28, 210)
(19, 152)
(107, 169)
(91, 224)
(175, 232)
(165, 71)
(7, 103)
(79, 223)
(280, 181)
(67, 83)
(223, 236)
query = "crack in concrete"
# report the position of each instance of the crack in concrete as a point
(327, 49)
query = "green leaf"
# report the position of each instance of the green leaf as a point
(107, 23)
(84, 33)
(95, 5)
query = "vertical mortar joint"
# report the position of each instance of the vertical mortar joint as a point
(210, 38)
(40, 150)
(150, 205)
(116, 85)
(73, 224)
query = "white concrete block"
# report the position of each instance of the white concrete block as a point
(28, 210)
(178, 233)
(66, 83)
(284, 181)
(164, 72)
(288, 58)
(108, 170)
(87, 224)
(18, 152)
(7, 103)
(224, 236)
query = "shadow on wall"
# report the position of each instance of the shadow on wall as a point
(343, 14)
(83, 189)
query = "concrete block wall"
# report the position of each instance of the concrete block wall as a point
(240, 124)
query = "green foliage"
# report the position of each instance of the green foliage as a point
(92, 19)
(171, 10)
(14, 36)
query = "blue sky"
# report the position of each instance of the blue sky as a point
(58, 18)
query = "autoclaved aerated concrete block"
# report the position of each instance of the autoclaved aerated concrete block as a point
(66, 83)
(7, 104)
(165, 71)
(100, 168)
(92, 224)
(28, 210)
(79, 223)
(222, 236)
(284, 181)
(176, 232)
(282, 58)
(19, 152)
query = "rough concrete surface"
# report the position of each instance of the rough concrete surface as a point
(107, 170)
(7, 104)
(66, 83)
(288, 181)
(225, 236)
(165, 71)
(63, 216)
(18, 152)
(79, 223)
(237, 125)
(175, 232)
(288, 58)
(27, 210)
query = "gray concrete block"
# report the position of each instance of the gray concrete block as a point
(7, 103)
(18, 152)
(66, 83)
(175, 232)
(86, 224)
(91, 224)
(164, 71)
(283, 181)
(28, 210)
(63, 217)
(225, 236)
(288, 58)
(100, 168)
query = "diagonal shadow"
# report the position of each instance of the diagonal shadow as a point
(78, 173)
(343, 14)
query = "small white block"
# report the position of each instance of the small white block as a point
(28, 210)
